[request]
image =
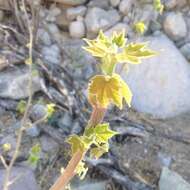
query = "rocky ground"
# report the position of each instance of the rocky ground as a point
(152, 151)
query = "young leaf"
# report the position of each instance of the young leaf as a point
(77, 144)
(6, 147)
(134, 52)
(158, 6)
(97, 152)
(119, 39)
(50, 109)
(34, 155)
(103, 133)
(109, 89)
(21, 107)
(81, 170)
(140, 27)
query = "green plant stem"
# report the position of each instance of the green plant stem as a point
(96, 118)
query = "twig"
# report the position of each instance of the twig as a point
(3, 162)
(24, 119)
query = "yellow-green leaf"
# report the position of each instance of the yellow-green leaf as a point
(81, 170)
(77, 144)
(109, 89)
(103, 133)
(50, 108)
(119, 39)
(134, 52)
(34, 155)
(6, 147)
(97, 152)
(140, 27)
(21, 107)
(158, 6)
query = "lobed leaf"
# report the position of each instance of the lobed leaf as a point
(109, 89)
(134, 52)
(77, 144)
(103, 133)
(97, 152)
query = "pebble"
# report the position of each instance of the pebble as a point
(114, 3)
(44, 37)
(77, 29)
(38, 111)
(175, 26)
(52, 54)
(170, 4)
(97, 19)
(33, 131)
(103, 4)
(125, 6)
(73, 12)
(65, 122)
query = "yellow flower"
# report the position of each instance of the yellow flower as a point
(105, 89)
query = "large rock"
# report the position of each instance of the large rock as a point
(171, 180)
(160, 85)
(14, 83)
(25, 179)
(97, 19)
(175, 26)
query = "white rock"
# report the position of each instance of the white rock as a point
(125, 6)
(114, 3)
(14, 83)
(77, 29)
(119, 27)
(98, 18)
(160, 85)
(73, 12)
(175, 26)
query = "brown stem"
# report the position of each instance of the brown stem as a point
(69, 172)
(96, 118)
